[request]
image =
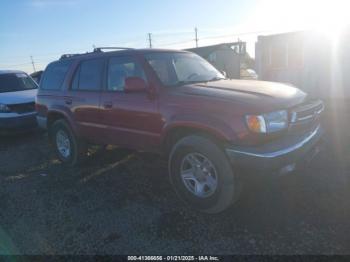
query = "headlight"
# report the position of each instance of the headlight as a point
(276, 121)
(4, 108)
(268, 123)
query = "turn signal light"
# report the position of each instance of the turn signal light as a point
(256, 123)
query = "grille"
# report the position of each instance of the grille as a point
(22, 108)
(305, 117)
(307, 112)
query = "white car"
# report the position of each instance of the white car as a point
(17, 102)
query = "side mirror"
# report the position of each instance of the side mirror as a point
(134, 84)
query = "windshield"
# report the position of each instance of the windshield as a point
(175, 68)
(16, 82)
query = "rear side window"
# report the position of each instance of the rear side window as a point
(54, 75)
(89, 75)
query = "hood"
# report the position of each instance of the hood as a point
(18, 97)
(269, 95)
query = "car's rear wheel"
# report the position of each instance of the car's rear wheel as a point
(69, 149)
(202, 175)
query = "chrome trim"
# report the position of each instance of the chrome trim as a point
(321, 110)
(305, 117)
(295, 118)
(279, 152)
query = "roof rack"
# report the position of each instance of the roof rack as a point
(64, 56)
(96, 49)
(99, 49)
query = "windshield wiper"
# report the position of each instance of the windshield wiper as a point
(216, 79)
(181, 83)
(185, 82)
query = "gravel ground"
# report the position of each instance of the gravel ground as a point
(120, 202)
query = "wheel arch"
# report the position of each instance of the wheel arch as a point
(175, 132)
(54, 115)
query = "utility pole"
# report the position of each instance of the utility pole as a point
(31, 58)
(196, 35)
(150, 40)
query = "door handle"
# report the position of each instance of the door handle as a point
(108, 104)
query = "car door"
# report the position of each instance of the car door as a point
(131, 119)
(84, 97)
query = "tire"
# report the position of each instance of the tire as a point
(77, 148)
(212, 199)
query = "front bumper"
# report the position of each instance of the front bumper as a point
(13, 122)
(282, 155)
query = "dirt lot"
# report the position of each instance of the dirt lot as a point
(121, 202)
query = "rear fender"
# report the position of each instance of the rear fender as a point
(66, 114)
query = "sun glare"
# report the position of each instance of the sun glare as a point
(279, 15)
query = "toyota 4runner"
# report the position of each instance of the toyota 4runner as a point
(177, 104)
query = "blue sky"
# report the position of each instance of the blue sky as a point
(45, 29)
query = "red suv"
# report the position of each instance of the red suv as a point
(177, 104)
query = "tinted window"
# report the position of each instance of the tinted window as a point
(89, 75)
(54, 75)
(119, 68)
(16, 82)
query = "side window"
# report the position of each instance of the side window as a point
(89, 75)
(119, 68)
(54, 75)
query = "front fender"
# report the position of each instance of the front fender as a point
(208, 124)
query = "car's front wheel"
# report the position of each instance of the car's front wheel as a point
(202, 175)
(69, 149)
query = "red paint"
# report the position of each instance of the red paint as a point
(142, 117)
(135, 84)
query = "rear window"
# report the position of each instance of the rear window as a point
(16, 82)
(54, 75)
